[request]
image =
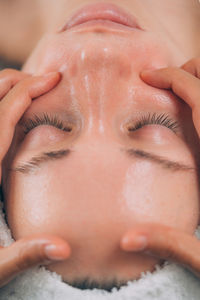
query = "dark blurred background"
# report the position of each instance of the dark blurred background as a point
(9, 64)
(20, 29)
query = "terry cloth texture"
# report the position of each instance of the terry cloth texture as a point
(171, 282)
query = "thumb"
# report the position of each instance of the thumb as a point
(29, 252)
(164, 242)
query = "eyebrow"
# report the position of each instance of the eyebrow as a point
(173, 166)
(36, 161)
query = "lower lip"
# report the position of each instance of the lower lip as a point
(99, 25)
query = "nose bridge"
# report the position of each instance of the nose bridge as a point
(100, 179)
(100, 161)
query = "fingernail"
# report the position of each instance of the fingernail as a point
(57, 252)
(136, 243)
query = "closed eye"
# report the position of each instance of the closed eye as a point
(154, 119)
(45, 119)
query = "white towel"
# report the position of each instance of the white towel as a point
(171, 282)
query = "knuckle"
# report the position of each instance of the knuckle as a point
(29, 257)
(5, 116)
(193, 66)
(12, 77)
(25, 83)
(174, 73)
(22, 261)
(174, 70)
(165, 241)
(11, 74)
(22, 86)
(8, 72)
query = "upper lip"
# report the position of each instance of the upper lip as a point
(101, 11)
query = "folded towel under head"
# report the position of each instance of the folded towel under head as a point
(169, 282)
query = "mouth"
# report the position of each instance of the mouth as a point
(102, 14)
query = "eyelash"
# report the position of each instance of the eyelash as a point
(150, 119)
(158, 119)
(44, 119)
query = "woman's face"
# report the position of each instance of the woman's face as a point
(104, 151)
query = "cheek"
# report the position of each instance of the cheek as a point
(29, 204)
(153, 194)
(65, 203)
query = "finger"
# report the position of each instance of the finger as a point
(8, 78)
(16, 102)
(193, 67)
(29, 252)
(164, 242)
(182, 83)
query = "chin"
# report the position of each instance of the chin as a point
(104, 275)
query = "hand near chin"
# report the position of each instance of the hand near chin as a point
(29, 252)
(164, 242)
(155, 239)
(17, 90)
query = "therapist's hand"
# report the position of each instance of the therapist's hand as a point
(183, 81)
(156, 239)
(17, 90)
(164, 242)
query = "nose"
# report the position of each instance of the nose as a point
(95, 191)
